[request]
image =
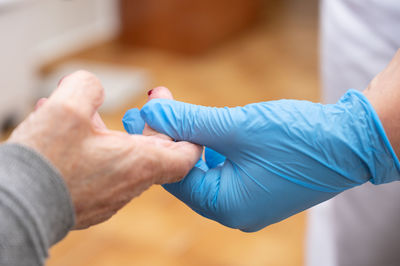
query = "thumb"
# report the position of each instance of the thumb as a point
(81, 91)
(208, 126)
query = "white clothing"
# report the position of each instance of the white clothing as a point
(359, 227)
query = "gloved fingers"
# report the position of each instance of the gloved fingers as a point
(198, 190)
(133, 122)
(217, 194)
(212, 127)
(213, 158)
(164, 93)
(157, 93)
(173, 156)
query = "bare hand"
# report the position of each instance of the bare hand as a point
(102, 169)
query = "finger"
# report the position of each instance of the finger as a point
(133, 122)
(218, 195)
(212, 127)
(164, 93)
(81, 91)
(160, 93)
(40, 103)
(197, 190)
(157, 93)
(174, 159)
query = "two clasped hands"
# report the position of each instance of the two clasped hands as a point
(263, 162)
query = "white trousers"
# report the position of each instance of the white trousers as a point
(359, 227)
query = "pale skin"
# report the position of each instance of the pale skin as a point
(384, 94)
(103, 169)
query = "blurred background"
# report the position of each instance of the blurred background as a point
(218, 53)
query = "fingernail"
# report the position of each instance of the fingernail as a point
(149, 92)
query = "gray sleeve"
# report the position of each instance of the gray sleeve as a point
(35, 206)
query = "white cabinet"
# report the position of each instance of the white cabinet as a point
(34, 32)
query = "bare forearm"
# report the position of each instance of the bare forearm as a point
(384, 94)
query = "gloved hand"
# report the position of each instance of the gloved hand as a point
(282, 157)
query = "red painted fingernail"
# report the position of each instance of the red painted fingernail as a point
(149, 92)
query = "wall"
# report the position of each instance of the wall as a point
(38, 31)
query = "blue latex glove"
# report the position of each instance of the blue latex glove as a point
(282, 157)
(133, 122)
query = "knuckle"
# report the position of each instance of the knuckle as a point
(89, 82)
(87, 77)
(70, 111)
(68, 108)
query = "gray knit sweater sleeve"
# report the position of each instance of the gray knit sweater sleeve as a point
(35, 207)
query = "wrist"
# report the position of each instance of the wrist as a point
(386, 110)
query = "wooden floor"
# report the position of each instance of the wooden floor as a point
(277, 59)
